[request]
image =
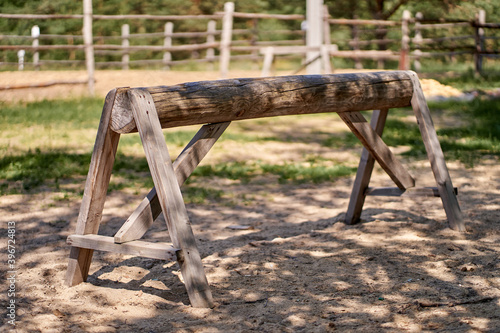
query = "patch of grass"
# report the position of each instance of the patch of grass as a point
(200, 195)
(242, 171)
(348, 140)
(33, 169)
(84, 112)
(313, 171)
(477, 132)
(299, 173)
(468, 80)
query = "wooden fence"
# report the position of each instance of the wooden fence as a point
(401, 41)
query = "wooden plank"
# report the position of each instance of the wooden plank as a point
(170, 197)
(436, 157)
(364, 172)
(413, 192)
(378, 149)
(94, 194)
(137, 248)
(149, 209)
(238, 99)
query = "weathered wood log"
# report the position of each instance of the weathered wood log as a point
(238, 99)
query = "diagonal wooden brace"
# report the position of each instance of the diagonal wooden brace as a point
(149, 209)
(170, 197)
(378, 149)
(364, 172)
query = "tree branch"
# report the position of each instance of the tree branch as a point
(391, 12)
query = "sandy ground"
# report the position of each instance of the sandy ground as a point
(298, 268)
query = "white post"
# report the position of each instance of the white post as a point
(20, 59)
(480, 19)
(167, 42)
(225, 44)
(35, 33)
(125, 44)
(314, 35)
(88, 42)
(211, 30)
(326, 26)
(404, 63)
(418, 41)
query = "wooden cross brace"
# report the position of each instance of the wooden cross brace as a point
(217, 103)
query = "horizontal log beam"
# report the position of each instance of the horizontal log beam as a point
(238, 99)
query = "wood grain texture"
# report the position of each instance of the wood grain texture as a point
(94, 194)
(378, 149)
(137, 248)
(238, 99)
(364, 171)
(436, 157)
(170, 197)
(149, 209)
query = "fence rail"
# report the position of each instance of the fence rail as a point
(402, 40)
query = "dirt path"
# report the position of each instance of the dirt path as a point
(298, 269)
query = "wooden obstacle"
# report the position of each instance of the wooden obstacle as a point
(215, 104)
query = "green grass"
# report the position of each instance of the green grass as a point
(79, 113)
(49, 143)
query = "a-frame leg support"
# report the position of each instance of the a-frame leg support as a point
(444, 188)
(149, 209)
(94, 194)
(170, 197)
(436, 157)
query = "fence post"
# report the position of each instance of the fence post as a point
(35, 33)
(404, 63)
(211, 30)
(355, 46)
(167, 42)
(225, 44)
(314, 35)
(327, 39)
(20, 59)
(125, 44)
(418, 41)
(480, 20)
(89, 45)
(253, 42)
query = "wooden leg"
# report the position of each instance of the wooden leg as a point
(378, 149)
(364, 172)
(149, 209)
(170, 197)
(436, 157)
(94, 195)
